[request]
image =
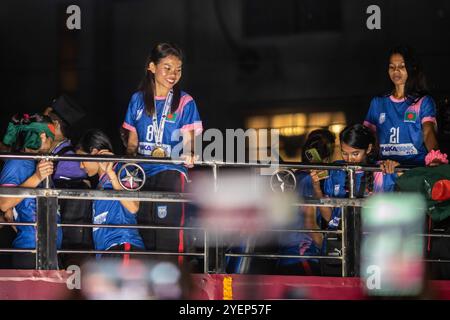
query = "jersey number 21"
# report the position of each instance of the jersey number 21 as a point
(395, 133)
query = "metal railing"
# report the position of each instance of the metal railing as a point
(47, 202)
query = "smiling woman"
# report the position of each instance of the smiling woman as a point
(160, 116)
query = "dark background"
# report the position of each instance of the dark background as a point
(244, 57)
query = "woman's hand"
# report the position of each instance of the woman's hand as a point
(189, 160)
(106, 166)
(44, 169)
(316, 183)
(388, 166)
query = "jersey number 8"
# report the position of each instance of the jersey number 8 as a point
(149, 136)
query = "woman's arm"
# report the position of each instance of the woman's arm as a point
(132, 206)
(189, 149)
(43, 170)
(310, 223)
(108, 167)
(317, 192)
(429, 136)
(132, 143)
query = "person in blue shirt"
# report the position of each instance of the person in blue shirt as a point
(95, 142)
(31, 134)
(65, 114)
(308, 244)
(162, 120)
(404, 120)
(357, 147)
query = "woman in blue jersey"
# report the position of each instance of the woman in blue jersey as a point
(404, 120)
(30, 134)
(357, 147)
(162, 120)
(95, 142)
(320, 142)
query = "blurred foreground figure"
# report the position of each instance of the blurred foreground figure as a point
(432, 183)
(240, 209)
(110, 279)
(392, 252)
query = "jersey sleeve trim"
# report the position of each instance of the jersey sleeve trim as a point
(429, 119)
(128, 127)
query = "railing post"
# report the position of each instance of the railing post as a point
(46, 234)
(219, 249)
(344, 241)
(351, 182)
(206, 252)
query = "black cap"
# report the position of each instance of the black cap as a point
(69, 111)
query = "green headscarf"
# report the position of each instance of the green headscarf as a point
(32, 132)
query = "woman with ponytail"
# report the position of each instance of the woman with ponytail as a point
(357, 147)
(29, 134)
(160, 119)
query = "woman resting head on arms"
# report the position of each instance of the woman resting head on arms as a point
(30, 134)
(95, 142)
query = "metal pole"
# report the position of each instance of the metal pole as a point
(214, 168)
(344, 242)
(351, 180)
(46, 235)
(206, 253)
(356, 240)
(145, 159)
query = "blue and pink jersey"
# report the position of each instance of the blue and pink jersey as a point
(113, 212)
(335, 186)
(296, 243)
(398, 126)
(184, 118)
(15, 173)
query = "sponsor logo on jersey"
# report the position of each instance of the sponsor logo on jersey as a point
(410, 116)
(145, 148)
(382, 118)
(139, 114)
(100, 219)
(336, 189)
(405, 149)
(162, 212)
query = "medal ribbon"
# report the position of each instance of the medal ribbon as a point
(159, 129)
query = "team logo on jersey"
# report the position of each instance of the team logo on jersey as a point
(172, 117)
(410, 116)
(382, 118)
(336, 189)
(162, 212)
(139, 114)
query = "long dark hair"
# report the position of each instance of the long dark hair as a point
(322, 140)
(94, 139)
(416, 84)
(359, 136)
(147, 85)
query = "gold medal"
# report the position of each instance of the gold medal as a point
(158, 152)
